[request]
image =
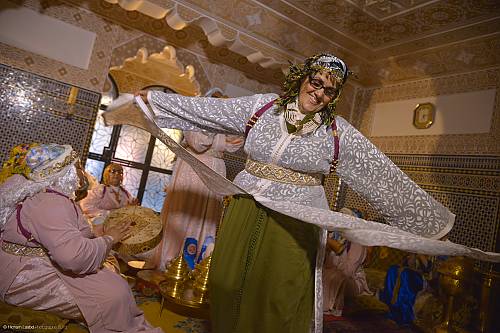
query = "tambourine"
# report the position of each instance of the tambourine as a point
(146, 229)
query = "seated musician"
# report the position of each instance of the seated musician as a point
(402, 285)
(343, 274)
(50, 259)
(103, 198)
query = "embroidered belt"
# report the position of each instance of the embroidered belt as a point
(282, 175)
(21, 250)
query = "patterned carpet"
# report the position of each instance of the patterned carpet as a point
(354, 323)
(167, 320)
(172, 322)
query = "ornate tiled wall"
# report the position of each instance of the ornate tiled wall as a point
(35, 109)
(468, 185)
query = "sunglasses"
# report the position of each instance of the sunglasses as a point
(317, 84)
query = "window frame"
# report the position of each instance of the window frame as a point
(108, 154)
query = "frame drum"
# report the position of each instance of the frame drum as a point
(146, 231)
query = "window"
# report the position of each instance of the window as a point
(147, 162)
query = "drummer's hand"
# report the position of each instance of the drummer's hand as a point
(143, 94)
(118, 232)
(134, 202)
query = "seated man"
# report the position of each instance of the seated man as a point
(103, 198)
(50, 259)
(401, 286)
(343, 274)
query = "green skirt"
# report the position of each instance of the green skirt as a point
(262, 272)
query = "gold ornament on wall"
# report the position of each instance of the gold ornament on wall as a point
(423, 115)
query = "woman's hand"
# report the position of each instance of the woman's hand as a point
(143, 94)
(118, 232)
(134, 202)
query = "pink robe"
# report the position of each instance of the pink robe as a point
(343, 276)
(72, 283)
(102, 199)
(190, 208)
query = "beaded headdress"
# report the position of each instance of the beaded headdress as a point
(320, 62)
(48, 159)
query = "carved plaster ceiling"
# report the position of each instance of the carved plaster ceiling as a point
(383, 41)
